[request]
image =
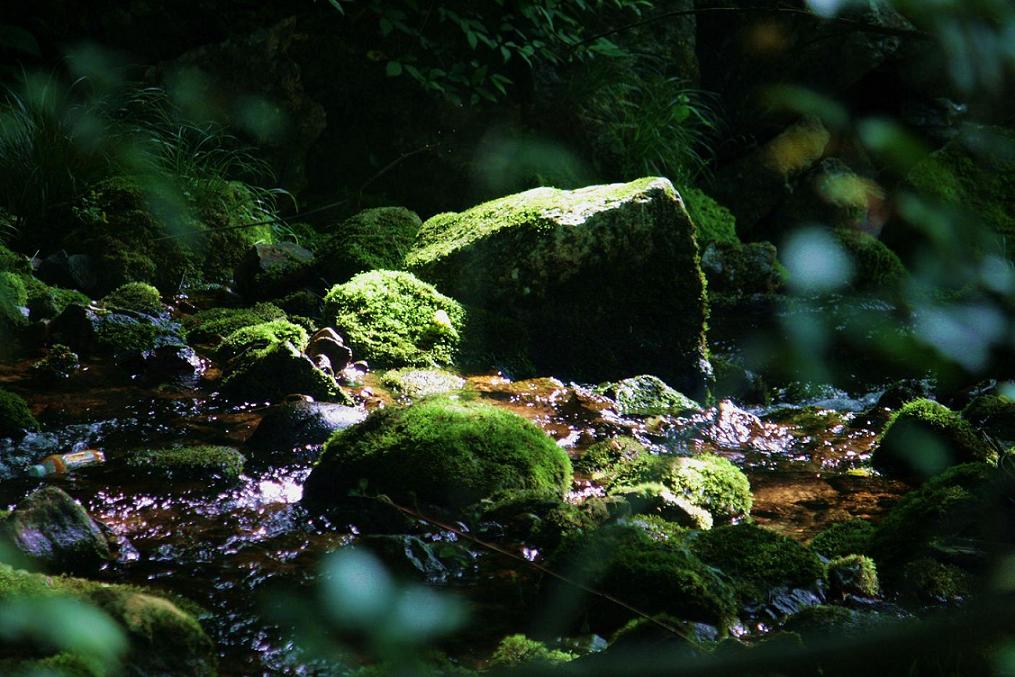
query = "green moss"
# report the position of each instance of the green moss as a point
(994, 414)
(440, 451)
(414, 384)
(259, 336)
(646, 396)
(212, 325)
(819, 622)
(14, 262)
(202, 462)
(540, 519)
(934, 581)
(15, 416)
(852, 537)
(518, 651)
(162, 639)
(758, 560)
(122, 334)
(137, 296)
(925, 437)
(45, 302)
(876, 267)
(393, 319)
(278, 370)
(374, 239)
(603, 460)
(651, 575)
(713, 222)
(854, 574)
(58, 665)
(653, 498)
(13, 296)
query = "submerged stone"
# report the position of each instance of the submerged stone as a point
(299, 424)
(604, 280)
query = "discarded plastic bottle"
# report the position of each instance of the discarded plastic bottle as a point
(61, 464)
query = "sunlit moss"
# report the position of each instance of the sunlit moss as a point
(262, 335)
(646, 395)
(201, 462)
(416, 383)
(121, 334)
(374, 239)
(518, 651)
(854, 574)
(137, 296)
(278, 370)
(655, 498)
(214, 324)
(15, 416)
(713, 222)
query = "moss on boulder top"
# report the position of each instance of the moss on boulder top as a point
(214, 324)
(392, 319)
(15, 416)
(374, 239)
(995, 414)
(413, 384)
(277, 370)
(875, 266)
(257, 336)
(604, 279)
(139, 297)
(440, 451)
(852, 537)
(925, 437)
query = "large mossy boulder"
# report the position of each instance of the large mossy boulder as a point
(604, 280)
(994, 414)
(55, 533)
(441, 451)
(277, 370)
(374, 239)
(161, 638)
(925, 437)
(392, 319)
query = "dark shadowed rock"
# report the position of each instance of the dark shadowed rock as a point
(288, 430)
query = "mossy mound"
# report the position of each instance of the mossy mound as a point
(212, 325)
(646, 396)
(852, 537)
(713, 222)
(543, 520)
(824, 621)
(654, 576)
(58, 364)
(654, 498)
(259, 336)
(440, 451)
(854, 574)
(414, 384)
(758, 560)
(139, 297)
(931, 580)
(278, 370)
(518, 651)
(46, 302)
(121, 334)
(875, 266)
(994, 414)
(603, 280)
(603, 460)
(15, 416)
(374, 239)
(392, 319)
(13, 296)
(925, 437)
(161, 638)
(202, 462)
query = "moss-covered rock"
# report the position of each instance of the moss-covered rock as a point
(543, 520)
(58, 364)
(931, 580)
(925, 437)
(824, 621)
(392, 319)
(603, 460)
(414, 384)
(713, 222)
(15, 416)
(440, 451)
(654, 498)
(604, 279)
(654, 576)
(374, 239)
(646, 396)
(852, 537)
(518, 651)
(13, 297)
(853, 574)
(758, 560)
(994, 414)
(139, 297)
(214, 324)
(161, 638)
(275, 371)
(122, 334)
(736, 272)
(201, 462)
(268, 270)
(875, 266)
(260, 336)
(46, 302)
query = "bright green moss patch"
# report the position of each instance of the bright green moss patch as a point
(655, 499)
(212, 325)
(603, 460)
(852, 537)
(416, 383)
(119, 334)
(392, 319)
(440, 451)
(374, 239)
(45, 302)
(854, 574)
(758, 560)
(15, 416)
(137, 296)
(713, 222)
(518, 651)
(13, 296)
(200, 462)
(925, 437)
(646, 396)
(258, 336)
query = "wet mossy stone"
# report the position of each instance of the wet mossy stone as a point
(273, 269)
(853, 575)
(161, 638)
(603, 460)
(604, 280)
(652, 575)
(925, 437)
(758, 560)
(139, 297)
(824, 621)
(15, 417)
(201, 462)
(56, 534)
(414, 384)
(852, 537)
(994, 414)
(440, 451)
(646, 395)
(931, 580)
(392, 319)
(280, 369)
(46, 302)
(541, 519)
(259, 336)
(876, 267)
(654, 498)
(712, 221)
(212, 325)
(374, 239)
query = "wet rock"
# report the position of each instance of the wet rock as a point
(327, 343)
(201, 462)
(75, 271)
(293, 427)
(414, 384)
(172, 363)
(278, 370)
(125, 335)
(58, 364)
(735, 271)
(853, 575)
(412, 557)
(646, 396)
(55, 533)
(270, 270)
(604, 279)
